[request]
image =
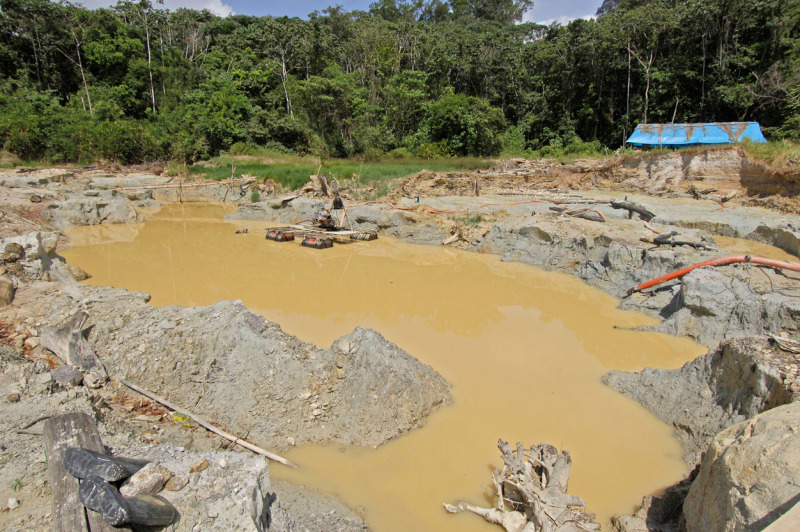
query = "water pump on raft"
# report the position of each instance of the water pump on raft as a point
(322, 229)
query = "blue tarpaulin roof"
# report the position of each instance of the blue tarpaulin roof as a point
(690, 134)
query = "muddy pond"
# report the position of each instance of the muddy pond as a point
(523, 349)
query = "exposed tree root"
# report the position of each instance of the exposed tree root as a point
(531, 493)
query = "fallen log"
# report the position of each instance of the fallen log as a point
(208, 426)
(531, 493)
(643, 213)
(586, 214)
(668, 239)
(693, 190)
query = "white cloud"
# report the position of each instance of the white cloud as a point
(563, 19)
(218, 7)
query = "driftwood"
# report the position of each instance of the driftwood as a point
(668, 239)
(531, 493)
(696, 193)
(68, 343)
(60, 433)
(643, 213)
(586, 214)
(205, 424)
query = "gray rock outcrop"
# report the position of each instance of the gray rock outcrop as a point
(712, 304)
(282, 210)
(736, 381)
(87, 210)
(750, 474)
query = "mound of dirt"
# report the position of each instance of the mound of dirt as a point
(247, 375)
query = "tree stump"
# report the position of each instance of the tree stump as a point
(531, 493)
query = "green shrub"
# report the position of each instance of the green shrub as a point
(255, 196)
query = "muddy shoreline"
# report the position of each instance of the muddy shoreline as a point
(728, 309)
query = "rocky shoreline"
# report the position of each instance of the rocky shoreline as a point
(733, 310)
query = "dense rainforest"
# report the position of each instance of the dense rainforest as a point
(424, 78)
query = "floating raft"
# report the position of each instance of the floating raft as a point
(317, 237)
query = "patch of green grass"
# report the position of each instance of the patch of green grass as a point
(775, 153)
(293, 172)
(473, 220)
(9, 160)
(16, 484)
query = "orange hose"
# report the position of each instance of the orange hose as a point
(722, 261)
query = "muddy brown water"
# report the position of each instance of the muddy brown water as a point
(740, 246)
(523, 349)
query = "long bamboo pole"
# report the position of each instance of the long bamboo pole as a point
(203, 423)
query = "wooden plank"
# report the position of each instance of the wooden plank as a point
(60, 433)
(324, 232)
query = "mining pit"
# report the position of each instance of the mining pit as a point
(389, 370)
(502, 334)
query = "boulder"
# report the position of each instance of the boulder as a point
(750, 474)
(67, 375)
(6, 291)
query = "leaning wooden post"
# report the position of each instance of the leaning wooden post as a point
(203, 423)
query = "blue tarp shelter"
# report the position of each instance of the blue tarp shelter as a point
(681, 135)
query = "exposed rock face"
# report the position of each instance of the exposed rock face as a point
(739, 379)
(235, 368)
(409, 226)
(35, 258)
(722, 168)
(712, 304)
(750, 474)
(281, 210)
(87, 210)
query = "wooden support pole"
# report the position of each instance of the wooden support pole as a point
(205, 424)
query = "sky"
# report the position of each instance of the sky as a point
(544, 11)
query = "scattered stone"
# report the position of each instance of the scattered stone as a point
(176, 483)
(13, 503)
(14, 251)
(13, 397)
(147, 481)
(67, 375)
(32, 342)
(202, 465)
(90, 381)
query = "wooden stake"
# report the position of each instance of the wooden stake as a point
(203, 423)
